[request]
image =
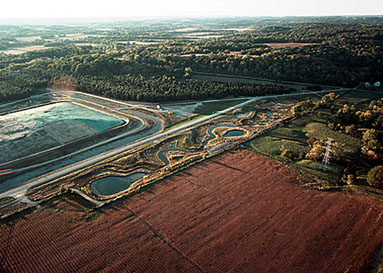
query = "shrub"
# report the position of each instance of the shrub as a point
(347, 179)
(316, 152)
(348, 176)
(375, 177)
(287, 155)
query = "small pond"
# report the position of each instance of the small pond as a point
(162, 154)
(234, 133)
(114, 184)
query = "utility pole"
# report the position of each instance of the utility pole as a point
(327, 154)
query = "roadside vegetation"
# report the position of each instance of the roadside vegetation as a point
(6, 200)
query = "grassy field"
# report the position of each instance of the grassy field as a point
(294, 136)
(360, 99)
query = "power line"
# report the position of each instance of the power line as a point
(328, 153)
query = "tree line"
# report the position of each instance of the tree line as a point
(340, 52)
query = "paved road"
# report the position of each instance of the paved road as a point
(19, 191)
(82, 95)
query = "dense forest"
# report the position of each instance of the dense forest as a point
(155, 60)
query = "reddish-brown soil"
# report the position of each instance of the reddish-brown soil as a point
(283, 45)
(239, 212)
(68, 202)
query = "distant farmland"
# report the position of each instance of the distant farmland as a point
(283, 45)
(239, 212)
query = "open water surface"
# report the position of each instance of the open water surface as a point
(114, 184)
(40, 116)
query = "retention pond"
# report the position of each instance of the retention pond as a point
(114, 184)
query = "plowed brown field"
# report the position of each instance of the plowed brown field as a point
(235, 213)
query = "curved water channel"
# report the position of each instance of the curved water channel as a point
(212, 136)
(114, 184)
(162, 154)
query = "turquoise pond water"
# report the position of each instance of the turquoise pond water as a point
(63, 111)
(114, 184)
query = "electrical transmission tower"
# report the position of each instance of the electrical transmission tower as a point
(327, 154)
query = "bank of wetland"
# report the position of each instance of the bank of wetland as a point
(154, 161)
(130, 171)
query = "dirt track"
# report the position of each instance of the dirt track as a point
(238, 212)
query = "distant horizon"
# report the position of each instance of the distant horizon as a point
(90, 19)
(101, 10)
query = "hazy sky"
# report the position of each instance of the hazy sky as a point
(182, 8)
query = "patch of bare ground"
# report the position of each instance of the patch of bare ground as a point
(283, 45)
(239, 212)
